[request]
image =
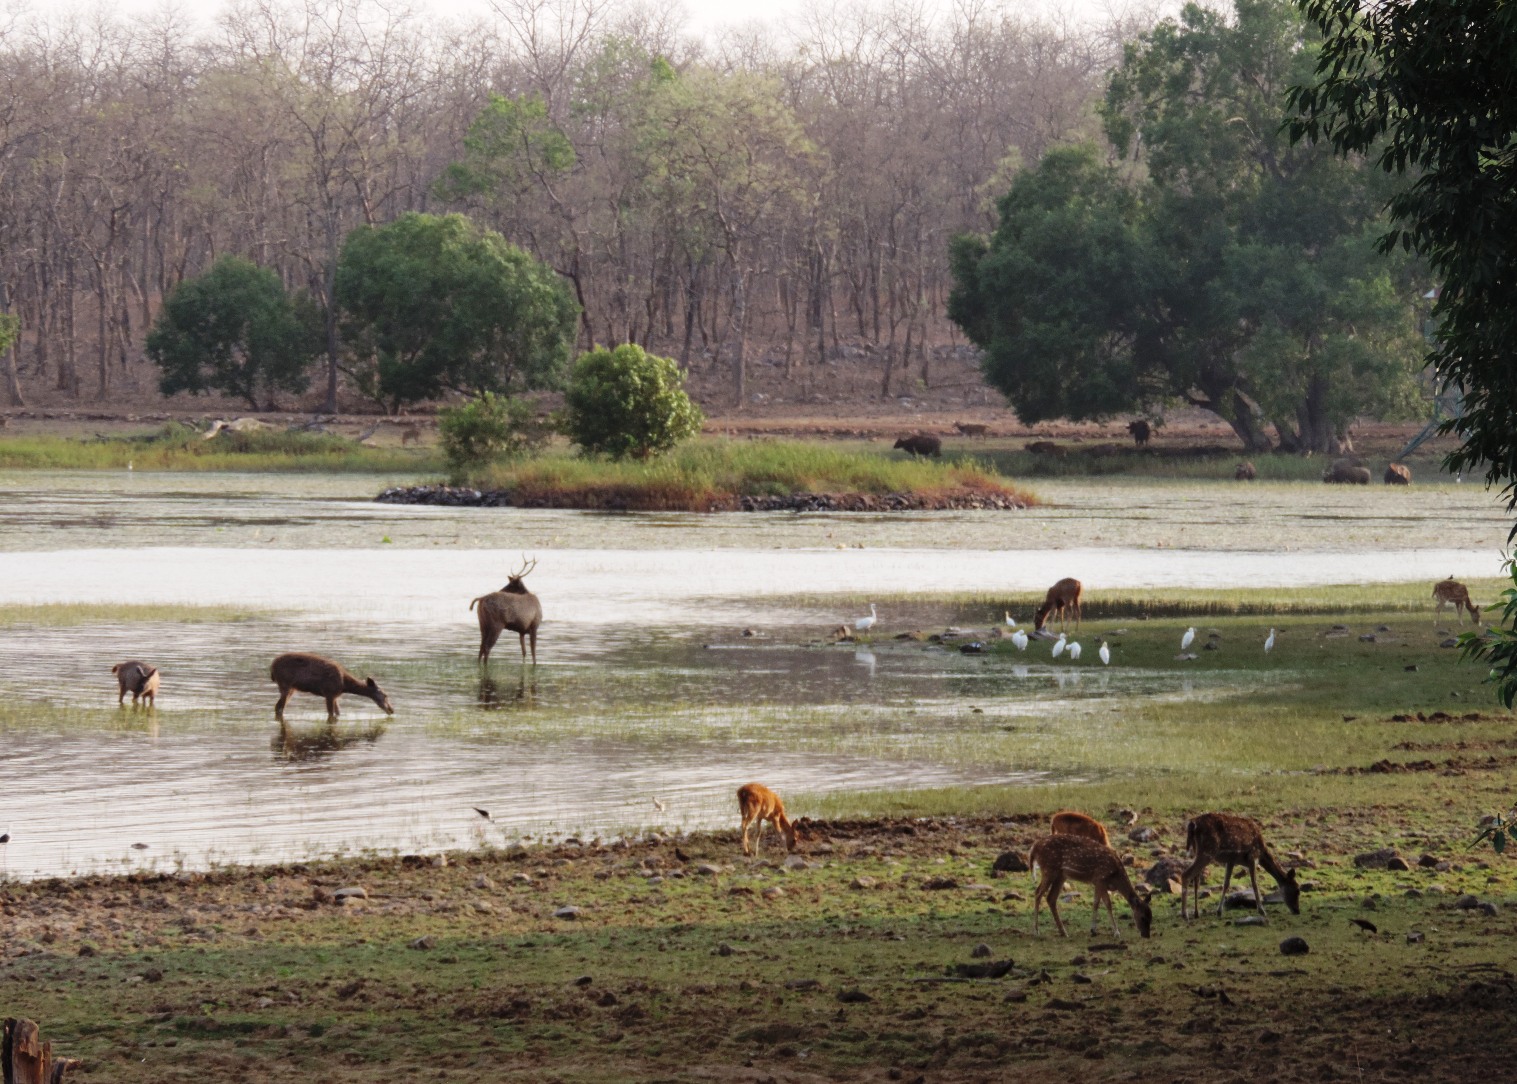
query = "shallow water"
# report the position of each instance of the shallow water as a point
(647, 686)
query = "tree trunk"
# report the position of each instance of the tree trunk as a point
(12, 377)
(26, 1058)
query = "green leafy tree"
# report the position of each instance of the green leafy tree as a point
(486, 428)
(1218, 264)
(627, 402)
(433, 304)
(510, 147)
(235, 330)
(1429, 87)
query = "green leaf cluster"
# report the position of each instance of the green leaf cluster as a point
(625, 402)
(1217, 264)
(235, 330)
(486, 428)
(433, 304)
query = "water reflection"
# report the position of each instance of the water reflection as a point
(491, 697)
(291, 744)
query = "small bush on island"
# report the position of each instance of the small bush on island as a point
(627, 403)
(486, 428)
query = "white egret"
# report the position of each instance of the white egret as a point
(1105, 654)
(1058, 648)
(1270, 643)
(1188, 639)
(863, 624)
(1011, 622)
(658, 805)
(1074, 652)
(1020, 639)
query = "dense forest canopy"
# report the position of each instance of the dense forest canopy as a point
(697, 195)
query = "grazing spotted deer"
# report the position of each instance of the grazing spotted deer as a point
(1451, 590)
(1070, 823)
(971, 429)
(1075, 858)
(1062, 597)
(1233, 841)
(758, 803)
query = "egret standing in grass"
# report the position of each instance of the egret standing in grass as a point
(1269, 643)
(864, 624)
(1105, 654)
(1188, 639)
(1011, 622)
(1058, 648)
(1074, 652)
(1020, 639)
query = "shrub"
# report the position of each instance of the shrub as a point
(483, 429)
(626, 402)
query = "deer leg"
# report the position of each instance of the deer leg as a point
(284, 698)
(1053, 907)
(1253, 879)
(1097, 895)
(1191, 879)
(1227, 879)
(331, 708)
(533, 635)
(487, 638)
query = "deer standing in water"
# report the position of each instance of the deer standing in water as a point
(1070, 823)
(137, 678)
(1233, 841)
(513, 608)
(1075, 858)
(758, 803)
(1062, 597)
(1451, 590)
(321, 677)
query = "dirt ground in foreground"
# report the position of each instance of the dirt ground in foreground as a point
(678, 959)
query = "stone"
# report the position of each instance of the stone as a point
(1294, 946)
(1466, 903)
(707, 869)
(483, 882)
(1164, 871)
(1010, 862)
(484, 907)
(795, 861)
(853, 997)
(1251, 920)
(1415, 938)
(352, 892)
(1450, 642)
(980, 951)
(774, 892)
(1368, 904)
(521, 878)
(863, 882)
(1375, 859)
(424, 943)
(439, 861)
(1145, 834)
(1428, 861)
(1398, 864)
(938, 884)
(569, 913)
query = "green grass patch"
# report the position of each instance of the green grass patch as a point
(711, 473)
(1345, 599)
(1107, 460)
(177, 447)
(65, 614)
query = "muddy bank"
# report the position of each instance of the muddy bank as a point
(952, 501)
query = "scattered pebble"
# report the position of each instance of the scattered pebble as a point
(1294, 946)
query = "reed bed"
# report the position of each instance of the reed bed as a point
(176, 447)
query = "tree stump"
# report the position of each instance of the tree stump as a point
(26, 1059)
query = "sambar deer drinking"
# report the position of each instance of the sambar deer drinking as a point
(1062, 597)
(1070, 823)
(137, 678)
(1075, 858)
(298, 671)
(1233, 841)
(513, 608)
(758, 804)
(1451, 590)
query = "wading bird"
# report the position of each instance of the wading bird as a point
(864, 624)
(1188, 639)
(1020, 639)
(1011, 622)
(1058, 647)
(658, 805)
(1270, 643)
(1105, 654)
(1074, 652)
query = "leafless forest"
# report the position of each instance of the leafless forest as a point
(788, 196)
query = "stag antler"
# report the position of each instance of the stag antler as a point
(526, 567)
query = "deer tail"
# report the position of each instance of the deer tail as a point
(472, 601)
(1190, 837)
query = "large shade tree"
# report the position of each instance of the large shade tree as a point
(433, 304)
(1216, 263)
(235, 330)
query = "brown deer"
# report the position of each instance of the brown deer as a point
(1398, 474)
(1070, 823)
(1061, 598)
(1451, 590)
(758, 803)
(513, 608)
(971, 429)
(1233, 841)
(411, 434)
(298, 671)
(1245, 472)
(1075, 858)
(137, 678)
(1141, 432)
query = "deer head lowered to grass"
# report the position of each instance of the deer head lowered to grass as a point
(300, 672)
(1234, 841)
(513, 608)
(1075, 858)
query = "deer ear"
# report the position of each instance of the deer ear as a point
(373, 684)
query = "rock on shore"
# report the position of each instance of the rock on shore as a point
(466, 497)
